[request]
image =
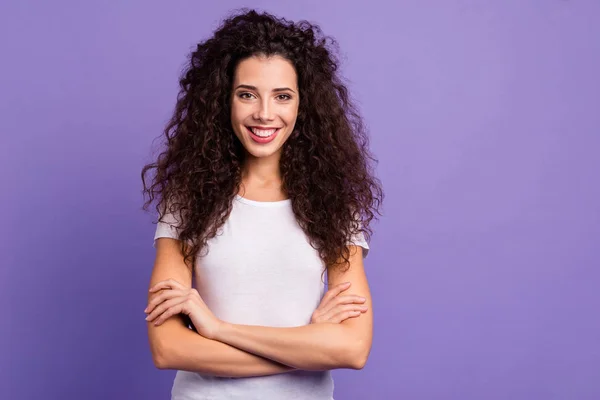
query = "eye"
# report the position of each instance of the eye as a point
(284, 97)
(243, 94)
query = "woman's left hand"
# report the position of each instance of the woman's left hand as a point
(174, 298)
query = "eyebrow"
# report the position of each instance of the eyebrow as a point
(250, 87)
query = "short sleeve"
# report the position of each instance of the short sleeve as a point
(166, 228)
(358, 239)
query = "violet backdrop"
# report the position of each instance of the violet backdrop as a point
(485, 116)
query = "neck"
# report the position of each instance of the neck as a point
(262, 171)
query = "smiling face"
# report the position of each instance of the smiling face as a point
(264, 104)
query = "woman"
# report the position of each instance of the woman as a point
(265, 185)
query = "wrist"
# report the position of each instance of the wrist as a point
(220, 331)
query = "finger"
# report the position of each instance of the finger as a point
(177, 309)
(332, 293)
(337, 289)
(161, 297)
(166, 284)
(350, 299)
(344, 299)
(165, 306)
(342, 316)
(343, 308)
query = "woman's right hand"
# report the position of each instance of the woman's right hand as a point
(336, 308)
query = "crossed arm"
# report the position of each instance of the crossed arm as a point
(242, 350)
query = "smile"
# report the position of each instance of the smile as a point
(262, 135)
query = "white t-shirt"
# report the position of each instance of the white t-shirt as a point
(260, 270)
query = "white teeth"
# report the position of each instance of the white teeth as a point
(263, 132)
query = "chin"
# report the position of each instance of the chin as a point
(261, 150)
(262, 153)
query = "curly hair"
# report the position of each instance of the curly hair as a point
(325, 165)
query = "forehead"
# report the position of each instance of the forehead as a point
(264, 72)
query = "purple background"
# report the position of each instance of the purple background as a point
(485, 116)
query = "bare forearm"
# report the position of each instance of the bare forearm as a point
(311, 347)
(188, 351)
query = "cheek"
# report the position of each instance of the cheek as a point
(236, 114)
(290, 115)
(236, 121)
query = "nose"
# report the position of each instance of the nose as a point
(264, 111)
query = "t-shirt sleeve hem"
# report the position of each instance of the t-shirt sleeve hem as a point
(359, 240)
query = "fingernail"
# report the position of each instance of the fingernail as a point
(147, 318)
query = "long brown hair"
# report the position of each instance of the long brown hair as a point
(326, 166)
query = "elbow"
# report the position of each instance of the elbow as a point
(358, 355)
(159, 361)
(159, 356)
(358, 362)
(351, 355)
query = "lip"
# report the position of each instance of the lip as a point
(262, 140)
